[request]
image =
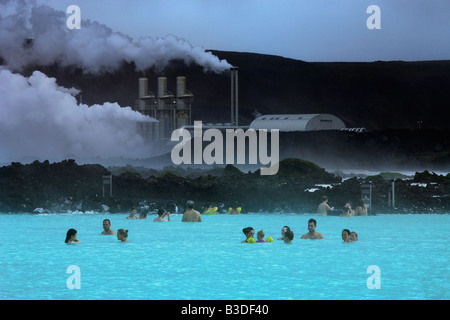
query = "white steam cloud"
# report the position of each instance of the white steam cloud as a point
(40, 119)
(95, 47)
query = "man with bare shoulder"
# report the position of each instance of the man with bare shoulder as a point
(107, 228)
(324, 207)
(191, 215)
(312, 234)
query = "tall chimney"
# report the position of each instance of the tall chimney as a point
(234, 96)
(162, 87)
(143, 87)
(181, 86)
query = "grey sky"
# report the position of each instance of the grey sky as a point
(311, 30)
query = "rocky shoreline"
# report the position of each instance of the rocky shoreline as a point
(44, 187)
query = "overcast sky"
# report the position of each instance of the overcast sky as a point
(310, 30)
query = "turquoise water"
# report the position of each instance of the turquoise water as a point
(206, 260)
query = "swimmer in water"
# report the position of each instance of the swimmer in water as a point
(345, 212)
(324, 207)
(350, 210)
(107, 228)
(288, 237)
(161, 215)
(71, 236)
(191, 215)
(133, 212)
(122, 235)
(312, 234)
(249, 233)
(353, 236)
(260, 235)
(142, 215)
(345, 235)
(283, 231)
(361, 208)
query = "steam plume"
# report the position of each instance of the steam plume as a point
(94, 48)
(40, 119)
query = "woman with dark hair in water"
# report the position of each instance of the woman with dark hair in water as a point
(71, 236)
(249, 233)
(283, 232)
(361, 208)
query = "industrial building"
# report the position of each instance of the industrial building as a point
(298, 122)
(171, 110)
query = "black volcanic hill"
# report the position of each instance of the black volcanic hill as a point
(377, 95)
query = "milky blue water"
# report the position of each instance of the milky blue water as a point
(206, 260)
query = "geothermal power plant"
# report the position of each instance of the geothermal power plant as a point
(174, 110)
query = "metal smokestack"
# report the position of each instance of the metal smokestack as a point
(162, 87)
(234, 96)
(181, 86)
(143, 87)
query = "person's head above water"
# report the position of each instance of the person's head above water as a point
(284, 229)
(289, 235)
(190, 204)
(70, 235)
(122, 234)
(106, 224)
(312, 225)
(249, 232)
(260, 235)
(345, 234)
(160, 212)
(353, 236)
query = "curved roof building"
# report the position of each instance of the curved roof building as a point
(298, 122)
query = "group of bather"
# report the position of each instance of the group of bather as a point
(360, 210)
(122, 234)
(192, 215)
(287, 235)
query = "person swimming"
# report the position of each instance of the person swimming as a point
(142, 215)
(345, 212)
(122, 235)
(361, 208)
(324, 207)
(312, 234)
(161, 215)
(71, 236)
(283, 232)
(260, 235)
(288, 237)
(249, 233)
(107, 228)
(345, 235)
(191, 215)
(133, 212)
(353, 236)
